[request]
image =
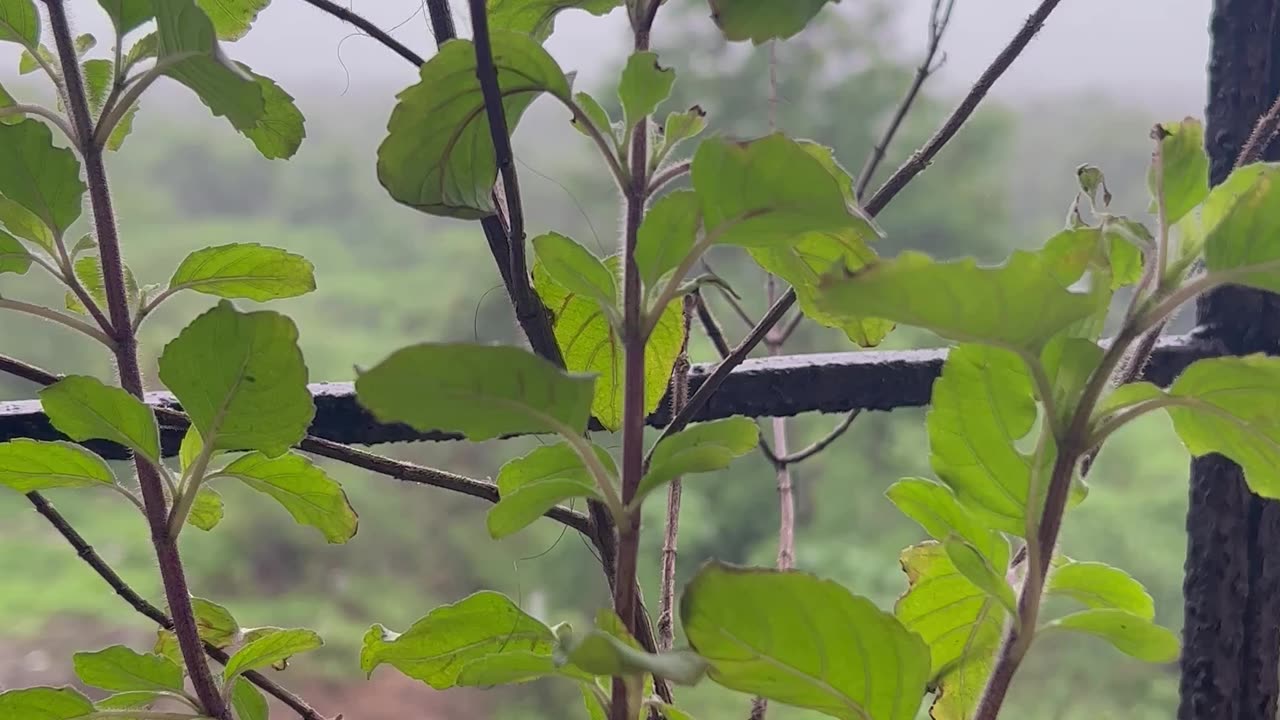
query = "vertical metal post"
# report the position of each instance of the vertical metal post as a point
(1231, 643)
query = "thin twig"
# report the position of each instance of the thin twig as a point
(887, 192)
(61, 318)
(822, 443)
(671, 530)
(939, 19)
(668, 175)
(920, 159)
(369, 28)
(44, 112)
(142, 606)
(732, 301)
(172, 572)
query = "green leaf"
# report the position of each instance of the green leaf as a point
(98, 76)
(681, 126)
(1128, 633)
(254, 105)
(1019, 305)
(768, 192)
(437, 647)
(24, 223)
(215, 623)
(248, 702)
(270, 649)
(280, 130)
(1098, 585)
(755, 627)
(935, 508)
(597, 709)
(596, 115)
(190, 448)
(1185, 168)
(310, 495)
(531, 485)
(241, 378)
(510, 668)
(644, 86)
(667, 235)
(763, 20)
(118, 668)
(961, 624)
(537, 17)
(19, 22)
(29, 465)
(438, 156)
(232, 18)
(245, 270)
(520, 509)
(1071, 252)
(699, 448)
(1226, 405)
(591, 345)
(28, 62)
(971, 563)
(88, 270)
(7, 101)
(148, 46)
(576, 269)
(127, 15)
(1238, 240)
(43, 703)
(549, 462)
(122, 129)
(481, 391)
(14, 258)
(38, 176)
(600, 653)
(83, 408)
(206, 510)
(167, 645)
(981, 406)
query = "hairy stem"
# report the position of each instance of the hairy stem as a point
(126, 353)
(368, 28)
(633, 345)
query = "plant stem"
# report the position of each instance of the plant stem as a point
(57, 120)
(126, 353)
(61, 318)
(671, 530)
(1072, 446)
(633, 345)
(939, 19)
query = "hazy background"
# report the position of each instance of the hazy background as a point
(1087, 90)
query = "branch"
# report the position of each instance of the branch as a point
(44, 112)
(824, 442)
(679, 396)
(922, 157)
(61, 318)
(887, 192)
(168, 559)
(140, 604)
(939, 19)
(369, 28)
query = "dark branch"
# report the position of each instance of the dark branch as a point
(939, 19)
(139, 603)
(367, 27)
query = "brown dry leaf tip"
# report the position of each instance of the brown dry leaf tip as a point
(1158, 133)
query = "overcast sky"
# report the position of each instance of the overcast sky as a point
(1149, 51)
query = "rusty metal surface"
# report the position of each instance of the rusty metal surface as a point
(760, 387)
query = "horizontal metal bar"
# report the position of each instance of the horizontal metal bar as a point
(761, 387)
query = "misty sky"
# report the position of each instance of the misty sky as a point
(1149, 51)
